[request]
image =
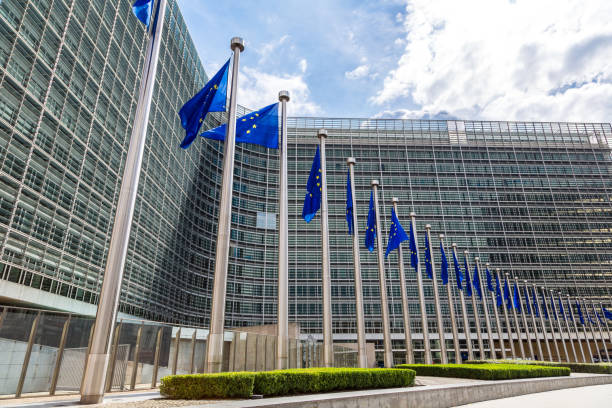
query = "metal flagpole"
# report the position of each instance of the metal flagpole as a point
(384, 304)
(569, 332)
(485, 307)
(404, 293)
(534, 324)
(361, 342)
(586, 338)
(605, 319)
(451, 308)
(443, 356)
(328, 340)
(584, 302)
(552, 306)
(519, 336)
(524, 318)
(214, 346)
(466, 325)
(475, 310)
(97, 359)
(500, 334)
(601, 336)
(542, 323)
(550, 323)
(282, 326)
(506, 317)
(426, 345)
(569, 303)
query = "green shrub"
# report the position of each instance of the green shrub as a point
(200, 386)
(313, 380)
(592, 368)
(486, 371)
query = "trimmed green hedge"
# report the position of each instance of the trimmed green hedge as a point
(486, 371)
(200, 386)
(282, 382)
(592, 368)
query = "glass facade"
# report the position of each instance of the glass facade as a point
(533, 199)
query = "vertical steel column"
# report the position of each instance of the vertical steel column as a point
(569, 332)
(434, 281)
(328, 339)
(524, 318)
(506, 317)
(601, 336)
(542, 323)
(426, 344)
(136, 357)
(60, 354)
(485, 307)
(578, 339)
(519, 336)
(500, 333)
(533, 322)
(156, 359)
(214, 349)
(451, 308)
(475, 309)
(113, 358)
(94, 375)
(384, 304)
(177, 344)
(584, 302)
(282, 326)
(404, 294)
(193, 347)
(550, 323)
(26, 358)
(466, 325)
(362, 355)
(558, 320)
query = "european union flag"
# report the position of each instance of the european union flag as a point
(142, 10)
(552, 306)
(370, 235)
(428, 267)
(468, 284)
(414, 255)
(598, 317)
(498, 293)
(517, 302)
(211, 98)
(580, 313)
(489, 280)
(397, 235)
(607, 313)
(544, 309)
(312, 201)
(349, 203)
(507, 294)
(260, 128)
(476, 282)
(458, 274)
(561, 311)
(444, 263)
(536, 310)
(527, 305)
(589, 316)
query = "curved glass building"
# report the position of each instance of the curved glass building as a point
(534, 199)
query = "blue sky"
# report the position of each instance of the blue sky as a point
(472, 59)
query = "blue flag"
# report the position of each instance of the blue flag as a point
(544, 308)
(507, 294)
(444, 264)
(607, 313)
(349, 203)
(468, 284)
(476, 281)
(370, 235)
(517, 301)
(536, 310)
(498, 292)
(260, 128)
(211, 98)
(527, 305)
(397, 235)
(552, 306)
(586, 308)
(142, 10)
(489, 280)
(561, 311)
(598, 317)
(580, 313)
(428, 267)
(458, 274)
(312, 201)
(414, 255)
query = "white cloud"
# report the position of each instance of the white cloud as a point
(303, 65)
(496, 59)
(268, 49)
(258, 89)
(359, 72)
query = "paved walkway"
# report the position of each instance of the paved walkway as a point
(598, 396)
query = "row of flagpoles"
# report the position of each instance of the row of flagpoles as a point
(261, 127)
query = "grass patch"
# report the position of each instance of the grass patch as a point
(487, 371)
(592, 368)
(283, 382)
